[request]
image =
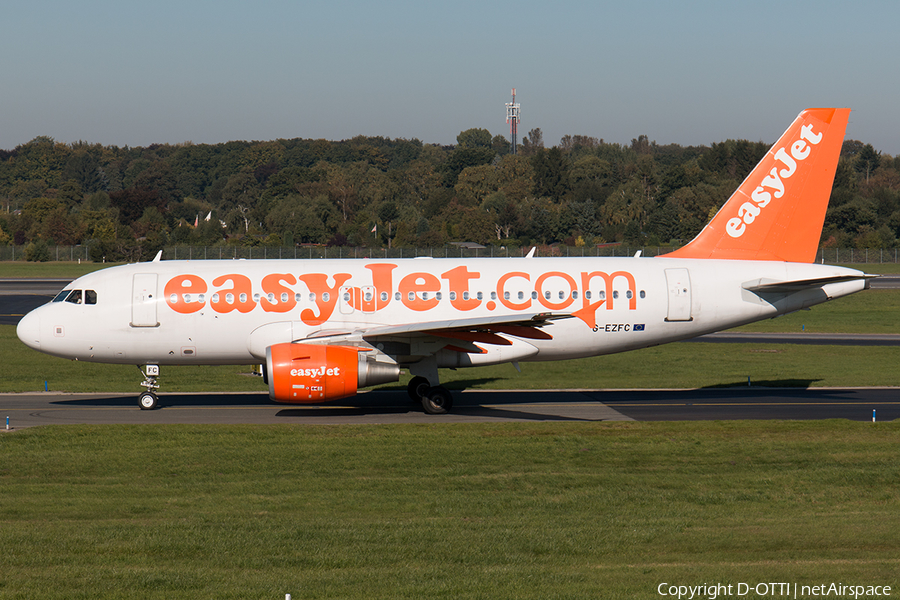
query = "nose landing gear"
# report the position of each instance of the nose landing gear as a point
(148, 400)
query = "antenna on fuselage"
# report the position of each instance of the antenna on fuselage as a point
(158, 256)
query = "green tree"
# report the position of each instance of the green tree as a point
(532, 142)
(302, 216)
(867, 161)
(37, 251)
(474, 138)
(132, 202)
(83, 168)
(550, 173)
(387, 214)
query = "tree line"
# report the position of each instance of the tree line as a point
(127, 203)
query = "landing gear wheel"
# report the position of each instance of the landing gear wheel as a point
(148, 401)
(417, 388)
(437, 401)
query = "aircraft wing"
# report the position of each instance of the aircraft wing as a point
(789, 287)
(524, 324)
(462, 333)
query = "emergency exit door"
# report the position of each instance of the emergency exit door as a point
(678, 282)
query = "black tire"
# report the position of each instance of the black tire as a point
(437, 401)
(417, 388)
(148, 401)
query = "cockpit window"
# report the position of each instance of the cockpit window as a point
(77, 296)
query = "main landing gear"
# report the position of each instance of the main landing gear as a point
(148, 400)
(436, 400)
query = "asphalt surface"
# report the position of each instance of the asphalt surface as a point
(19, 296)
(475, 406)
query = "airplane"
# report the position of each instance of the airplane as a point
(324, 328)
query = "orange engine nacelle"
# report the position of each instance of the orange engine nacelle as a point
(302, 373)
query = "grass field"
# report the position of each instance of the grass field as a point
(585, 510)
(869, 311)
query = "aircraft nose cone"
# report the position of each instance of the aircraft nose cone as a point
(29, 330)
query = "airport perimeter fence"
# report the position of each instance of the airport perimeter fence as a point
(82, 253)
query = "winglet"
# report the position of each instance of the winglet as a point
(778, 211)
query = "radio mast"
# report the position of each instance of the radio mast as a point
(512, 117)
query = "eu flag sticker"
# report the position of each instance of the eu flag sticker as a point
(638, 327)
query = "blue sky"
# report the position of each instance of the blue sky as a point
(686, 72)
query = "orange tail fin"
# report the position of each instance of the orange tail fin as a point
(778, 211)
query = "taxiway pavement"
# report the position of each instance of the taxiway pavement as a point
(386, 407)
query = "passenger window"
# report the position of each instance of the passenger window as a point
(74, 297)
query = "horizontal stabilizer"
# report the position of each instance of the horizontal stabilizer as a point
(788, 287)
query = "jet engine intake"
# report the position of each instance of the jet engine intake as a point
(304, 373)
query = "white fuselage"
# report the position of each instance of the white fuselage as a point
(228, 312)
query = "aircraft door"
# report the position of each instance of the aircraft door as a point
(346, 300)
(678, 282)
(369, 301)
(143, 300)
